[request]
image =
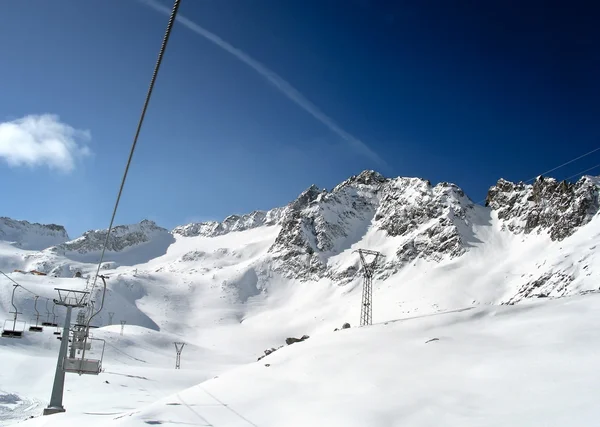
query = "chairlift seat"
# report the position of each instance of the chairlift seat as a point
(12, 334)
(54, 325)
(56, 333)
(78, 345)
(46, 323)
(13, 329)
(81, 325)
(36, 329)
(85, 366)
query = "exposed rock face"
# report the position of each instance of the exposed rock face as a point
(428, 218)
(549, 284)
(558, 208)
(407, 219)
(121, 237)
(426, 222)
(320, 224)
(32, 236)
(230, 224)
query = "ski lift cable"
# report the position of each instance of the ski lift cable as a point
(560, 166)
(23, 287)
(137, 133)
(582, 172)
(564, 164)
(87, 329)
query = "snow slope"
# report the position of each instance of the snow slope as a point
(230, 290)
(527, 365)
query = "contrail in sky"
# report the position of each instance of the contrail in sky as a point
(283, 86)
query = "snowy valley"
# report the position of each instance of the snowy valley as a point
(483, 315)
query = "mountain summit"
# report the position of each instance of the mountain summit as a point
(419, 228)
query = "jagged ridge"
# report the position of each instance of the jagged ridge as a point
(32, 236)
(547, 205)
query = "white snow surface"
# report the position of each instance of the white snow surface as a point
(530, 364)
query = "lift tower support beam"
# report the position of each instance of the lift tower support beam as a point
(366, 309)
(70, 300)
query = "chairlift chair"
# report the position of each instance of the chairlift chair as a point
(36, 328)
(85, 366)
(13, 328)
(54, 324)
(47, 322)
(79, 341)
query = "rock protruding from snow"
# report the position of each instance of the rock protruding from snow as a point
(230, 224)
(31, 236)
(558, 208)
(121, 238)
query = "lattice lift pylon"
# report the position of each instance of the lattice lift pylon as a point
(366, 309)
(178, 349)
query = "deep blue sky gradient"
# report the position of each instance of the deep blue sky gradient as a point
(460, 91)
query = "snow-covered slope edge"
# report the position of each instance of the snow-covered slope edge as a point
(532, 365)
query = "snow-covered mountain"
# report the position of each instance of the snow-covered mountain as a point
(31, 236)
(234, 288)
(407, 219)
(230, 224)
(557, 208)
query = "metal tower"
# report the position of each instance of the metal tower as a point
(70, 299)
(178, 349)
(123, 326)
(110, 317)
(366, 310)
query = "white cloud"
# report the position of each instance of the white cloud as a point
(38, 140)
(282, 85)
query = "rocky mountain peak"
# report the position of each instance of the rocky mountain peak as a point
(547, 205)
(121, 237)
(426, 221)
(306, 198)
(33, 236)
(365, 178)
(230, 224)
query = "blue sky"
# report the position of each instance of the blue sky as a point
(466, 92)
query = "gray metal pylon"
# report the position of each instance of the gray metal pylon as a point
(123, 322)
(366, 309)
(178, 349)
(69, 299)
(110, 317)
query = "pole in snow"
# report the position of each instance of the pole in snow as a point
(123, 326)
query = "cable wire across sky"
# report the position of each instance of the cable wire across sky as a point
(161, 53)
